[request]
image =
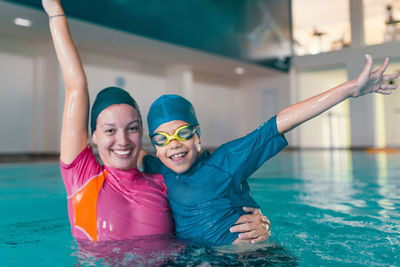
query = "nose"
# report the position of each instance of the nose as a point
(123, 139)
(175, 144)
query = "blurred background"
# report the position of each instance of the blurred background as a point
(239, 62)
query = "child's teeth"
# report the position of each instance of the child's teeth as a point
(178, 155)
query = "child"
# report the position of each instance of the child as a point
(206, 190)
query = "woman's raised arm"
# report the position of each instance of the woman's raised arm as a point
(74, 133)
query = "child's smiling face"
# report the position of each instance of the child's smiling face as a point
(178, 155)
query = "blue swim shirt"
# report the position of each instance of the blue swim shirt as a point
(207, 199)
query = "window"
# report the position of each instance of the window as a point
(331, 129)
(381, 21)
(320, 26)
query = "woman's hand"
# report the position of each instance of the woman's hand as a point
(52, 7)
(369, 82)
(252, 227)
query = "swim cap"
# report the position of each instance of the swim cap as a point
(168, 108)
(107, 97)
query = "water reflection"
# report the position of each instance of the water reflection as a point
(166, 251)
(328, 180)
(354, 183)
(382, 191)
(155, 250)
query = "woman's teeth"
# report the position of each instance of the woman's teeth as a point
(122, 152)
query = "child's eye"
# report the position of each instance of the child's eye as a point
(184, 133)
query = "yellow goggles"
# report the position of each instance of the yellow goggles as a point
(183, 133)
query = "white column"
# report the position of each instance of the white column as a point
(357, 23)
(179, 80)
(293, 136)
(46, 105)
(362, 109)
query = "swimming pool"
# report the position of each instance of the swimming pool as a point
(327, 208)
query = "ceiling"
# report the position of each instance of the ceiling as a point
(256, 31)
(123, 44)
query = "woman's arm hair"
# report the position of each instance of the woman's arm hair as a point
(74, 133)
(366, 82)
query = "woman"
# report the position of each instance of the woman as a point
(111, 201)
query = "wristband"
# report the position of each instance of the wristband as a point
(59, 15)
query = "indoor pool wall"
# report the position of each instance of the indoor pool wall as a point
(327, 208)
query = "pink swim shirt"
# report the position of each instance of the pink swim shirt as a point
(110, 204)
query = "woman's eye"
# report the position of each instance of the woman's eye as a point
(134, 128)
(109, 131)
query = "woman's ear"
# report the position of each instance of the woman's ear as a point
(94, 141)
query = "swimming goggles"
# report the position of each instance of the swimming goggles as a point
(183, 133)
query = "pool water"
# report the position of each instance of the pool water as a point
(327, 208)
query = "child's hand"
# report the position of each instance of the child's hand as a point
(52, 7)
(368, 82)
(253, 227)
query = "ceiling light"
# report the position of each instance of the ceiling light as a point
(239, 71)
(23, 22)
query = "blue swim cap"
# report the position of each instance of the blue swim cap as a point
(168, 108)
(107, 97)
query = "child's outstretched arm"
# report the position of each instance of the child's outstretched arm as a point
(366, 82)
(74, 133)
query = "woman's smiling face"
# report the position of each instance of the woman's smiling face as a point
(118, 136)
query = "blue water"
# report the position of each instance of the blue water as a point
(327, 208)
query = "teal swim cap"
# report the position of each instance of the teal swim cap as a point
(111, 96)
(168, 108)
